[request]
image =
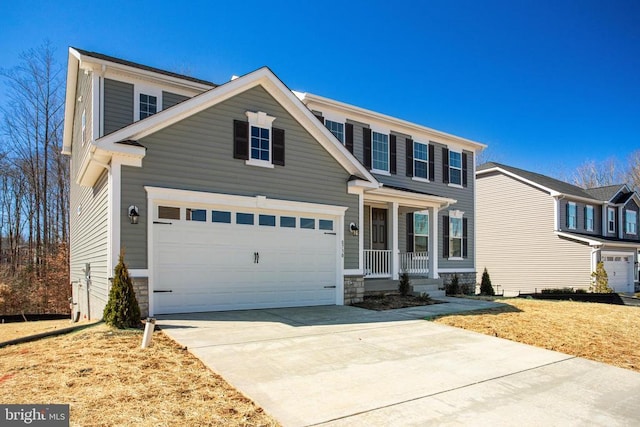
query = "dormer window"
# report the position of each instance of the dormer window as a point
(611, 220)
(147, 101)
(148, 105)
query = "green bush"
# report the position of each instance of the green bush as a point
(600, 280)
(486, 288)
(558, 291)
(423, 297)
(122, 309)
(453, 287)
(404, 286)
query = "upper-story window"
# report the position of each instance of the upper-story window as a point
(455, 167)
(336, 128)
(257, 141)
(421, 232)
(611, 220)
(380, 151)
(260, 143)
(588, 218)
(420, 160)
(148, 105)
(631, 222)
(572, 215)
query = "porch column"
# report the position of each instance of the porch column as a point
(393, 240)
(433, 243)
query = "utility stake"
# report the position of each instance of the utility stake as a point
(148, 332)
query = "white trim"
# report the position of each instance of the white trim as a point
(611, 209)
(361, 233)
(150, 260)
(95, 106)
(145, 89)
(407, 198)
(433, 243)
(556, 213)
(114, 214)
(594, 241)
(426, 162)
(457, 270)
(419, 179)
(461, 168)
(139, 272)
(454, 185)
(340, 259)
(626, 222)
(380, 172)
(352, 272)
(394, 238)
(260, 163)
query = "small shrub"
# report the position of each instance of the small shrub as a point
(581, 291)
(122, 309)
(423, 297)
(453, 288)
(558, 291)
(486, 288)
(404, 286)
(600, 280)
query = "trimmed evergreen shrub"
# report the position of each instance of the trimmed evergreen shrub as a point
(404, 286)
(600, 280)
(453, 288)
(486, 288)
(122, 309)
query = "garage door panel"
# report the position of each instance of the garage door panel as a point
(619, 273)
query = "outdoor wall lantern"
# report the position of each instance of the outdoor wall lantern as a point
(134, 214)
(354, 229)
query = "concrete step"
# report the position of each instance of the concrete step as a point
(434, 290)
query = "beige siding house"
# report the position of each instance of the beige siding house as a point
(535, 232)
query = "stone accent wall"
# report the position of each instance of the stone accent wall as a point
(353, 289)
(141, 288)
(468, 279)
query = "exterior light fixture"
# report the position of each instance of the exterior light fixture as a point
(354, 229)
(134, 214)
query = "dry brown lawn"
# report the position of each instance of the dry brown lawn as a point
(109, 381)
(10, 331)
(601, 332)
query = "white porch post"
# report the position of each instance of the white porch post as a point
(433, 244)
(393, 239)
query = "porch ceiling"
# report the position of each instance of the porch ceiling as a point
(406, 198)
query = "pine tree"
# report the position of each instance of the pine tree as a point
(600, 280)
(405, 284)
(122, 309)
(486, 288)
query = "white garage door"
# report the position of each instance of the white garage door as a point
(228, 259)
(618, 267)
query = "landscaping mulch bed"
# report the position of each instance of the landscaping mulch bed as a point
(393, 301)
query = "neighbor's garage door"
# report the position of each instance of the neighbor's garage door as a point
(223, 259)
(618, 267)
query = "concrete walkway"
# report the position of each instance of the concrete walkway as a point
(339, 365)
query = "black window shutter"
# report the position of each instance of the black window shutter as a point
(348, 136)
(240, 140)
(584, 220)
(432, 163)
(320, 117)
(445, 165)
(566, 211)
(465, 243)
(409, 145)
(277, 146)
(464, 169)
(366, 147)
(410, 232)
(445, 236)
(392, 154)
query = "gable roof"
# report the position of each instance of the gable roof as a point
(544, 182)
(605, 193)
(104, 147)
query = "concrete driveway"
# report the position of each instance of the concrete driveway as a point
(339, 365)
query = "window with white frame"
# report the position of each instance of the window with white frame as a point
(84, 127)
(421, 232)
(455, 234)
(260, 131)
(380, 151)
(631, 222)
(455, 167)
(336, 128)
(572, 215)
(420, 160)
(148, 105)
(611, 220)
(588, 218)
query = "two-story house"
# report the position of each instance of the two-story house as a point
(535, 232)
(249, 195)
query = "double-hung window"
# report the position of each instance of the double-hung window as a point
(380, 151)
(455, 236)
(572, 215)
(421, 232)
(631, 222)
(148, 105)
(611, 220)
(336, 128)
(260, 139)
(455, 167)
(588, 218)
(420, 160)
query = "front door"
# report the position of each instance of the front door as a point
(378, 229)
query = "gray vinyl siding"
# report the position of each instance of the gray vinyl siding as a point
(581, 226)
(170, 99)
(197, 154)
(630, 206)
(89, 234)
(366, 227)
(78, 150)
(516, 240)
(118, 105)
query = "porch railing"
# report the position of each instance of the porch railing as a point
(377, 263)
(414, 262)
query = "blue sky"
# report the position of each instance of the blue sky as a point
(546, 84)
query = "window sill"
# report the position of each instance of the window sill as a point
(419, 179)
(455, 259)
(455, 185)
(259, 163)
(380, 172)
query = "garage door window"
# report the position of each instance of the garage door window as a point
(196, 215)
(267, 220)
(221, 216)
(244, 218)
(288, 221)
(325, 224)
(308, 223)
(168, 212)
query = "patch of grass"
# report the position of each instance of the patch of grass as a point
(600, 332)
(10, 331)
(108, 380)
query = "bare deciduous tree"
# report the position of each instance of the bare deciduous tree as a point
(592, 174)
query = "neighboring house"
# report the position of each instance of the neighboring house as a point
(536, 232)
(248, 195)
